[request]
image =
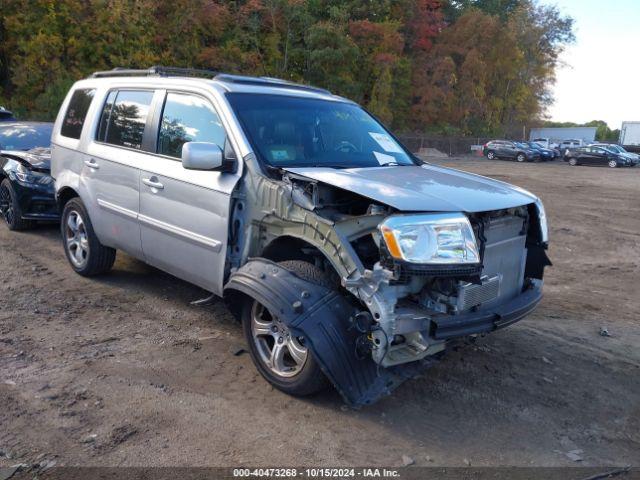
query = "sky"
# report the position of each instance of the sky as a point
(601, 79)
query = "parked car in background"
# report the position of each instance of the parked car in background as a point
(26, 188)
(567, 145)
(506, 149)
(597, 156)
(634, 157)
(6, 115)
(304, 212)
(545, 143)
(546, 154)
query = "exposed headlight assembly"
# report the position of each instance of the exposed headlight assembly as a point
(24, 175)
(431, 239)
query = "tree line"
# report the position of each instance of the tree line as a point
(446, 66)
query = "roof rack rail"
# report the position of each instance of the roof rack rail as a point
(160, 71)
(156, 70)
(272, 82)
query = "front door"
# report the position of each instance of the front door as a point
(184, 213)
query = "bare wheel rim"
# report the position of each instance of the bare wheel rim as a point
(281, 352)
(6, 204)
(613, 163)
(76, 240)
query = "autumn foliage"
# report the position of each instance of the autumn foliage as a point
(422, 65)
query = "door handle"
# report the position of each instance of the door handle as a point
(153, 183)
(92, 164)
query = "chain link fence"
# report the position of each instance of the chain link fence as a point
(447, 145)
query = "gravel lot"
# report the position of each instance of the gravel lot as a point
(122, 370)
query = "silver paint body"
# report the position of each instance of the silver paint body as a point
(426, 188)
(177, 219)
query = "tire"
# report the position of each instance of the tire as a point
(296, 374)
(10, 208)
(491, 156)
(520, 157)
(86, 255)
(573, 162)
(612, 163)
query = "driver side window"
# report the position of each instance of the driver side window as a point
(188, 118)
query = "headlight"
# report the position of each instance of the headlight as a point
(25, 175)
(442, 239)
(542, 217)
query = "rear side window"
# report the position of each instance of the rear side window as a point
(124, 117)
(76, 113)
(188, 118)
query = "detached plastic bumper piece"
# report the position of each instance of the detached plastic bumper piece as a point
(322, 316)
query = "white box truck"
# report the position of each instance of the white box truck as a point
(630, 136)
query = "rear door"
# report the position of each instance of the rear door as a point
(184, 213)
(509, 150)
(112, 168)
(600, 155)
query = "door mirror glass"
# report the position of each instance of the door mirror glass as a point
(201, 156)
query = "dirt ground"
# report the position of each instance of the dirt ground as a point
(122, 370)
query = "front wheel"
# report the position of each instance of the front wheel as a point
(612, 163)
(281, 357)
(10, 208)
(84, 251)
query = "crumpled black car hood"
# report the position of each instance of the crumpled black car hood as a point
(38, 159)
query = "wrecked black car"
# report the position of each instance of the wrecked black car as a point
(26, 186)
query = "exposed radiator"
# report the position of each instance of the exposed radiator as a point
(471, 295)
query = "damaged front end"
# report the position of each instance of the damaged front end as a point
(406, 283)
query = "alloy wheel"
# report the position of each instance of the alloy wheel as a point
(76, 239)
(281, 352)
(613, 163)
(6, 204)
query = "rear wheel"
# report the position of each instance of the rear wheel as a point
(573, 162)
(282, 358)
(612, 163)
(491, 155)
(521, 157)
(10, 208)
(84, 251)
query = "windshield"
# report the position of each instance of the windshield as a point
(615, 148)
(535, 146)
(25, 137)
(522, 145)
(303, 132)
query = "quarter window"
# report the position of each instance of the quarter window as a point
(124, 117)
(76, 113)
(188, 118)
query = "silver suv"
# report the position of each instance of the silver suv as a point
(347, 259)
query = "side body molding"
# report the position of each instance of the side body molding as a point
(323, 317)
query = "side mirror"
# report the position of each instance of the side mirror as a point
(201, 156)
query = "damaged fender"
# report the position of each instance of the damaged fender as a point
(326, 319)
